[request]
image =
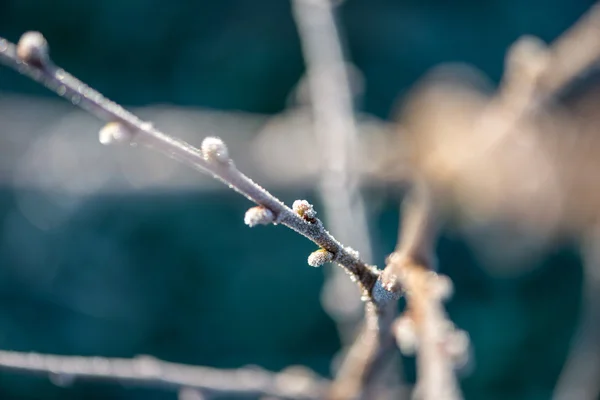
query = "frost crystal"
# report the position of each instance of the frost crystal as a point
(319, 257)
(214, 149)
(353, 253)
(33, 48)
(114, 132)
(258, 216)
(304, 209)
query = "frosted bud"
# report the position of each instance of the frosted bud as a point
(114, 132)
(457, 347)
(528, 55)
(304, 209)
(441, 286)
(214, 149)
(258, 215)
(33, 49)
(406, 335)
(319, 257)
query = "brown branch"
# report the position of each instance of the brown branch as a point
(424, 326)
(367, 356)
(146, 371)
(31, 59)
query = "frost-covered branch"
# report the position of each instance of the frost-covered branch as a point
(148, 371)
(31, 58)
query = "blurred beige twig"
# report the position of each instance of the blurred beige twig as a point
(425, 327)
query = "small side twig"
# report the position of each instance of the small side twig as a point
(148, 371)
(579, 376)
(424, 327)
(31, 59)
(367, 355)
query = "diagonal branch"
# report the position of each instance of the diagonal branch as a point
(31, 59)
(148, 371)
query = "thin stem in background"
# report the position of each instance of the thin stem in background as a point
(145, 371)
(425, 327)
(579, 377)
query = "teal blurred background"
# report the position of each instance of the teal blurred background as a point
(176, 274)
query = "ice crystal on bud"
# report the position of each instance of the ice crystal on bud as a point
(406, 335)
(304, 209)
(258, 216)
(33, 48)
(214, 149)
(114, 132)
(319, 257)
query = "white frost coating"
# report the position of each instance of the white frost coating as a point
(304, 209)
(114, 132)
(352, 252)
(214, 149)
(33, 48)
(383, 295)
(319, 257)
(406, 335)
(258, 216)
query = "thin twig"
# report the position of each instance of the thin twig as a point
(30, 58)
(424, 326)
(579, 377)
(150, 372)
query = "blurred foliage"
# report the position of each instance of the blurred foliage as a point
(178, 275)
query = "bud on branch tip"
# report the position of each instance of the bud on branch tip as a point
(33, 49)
